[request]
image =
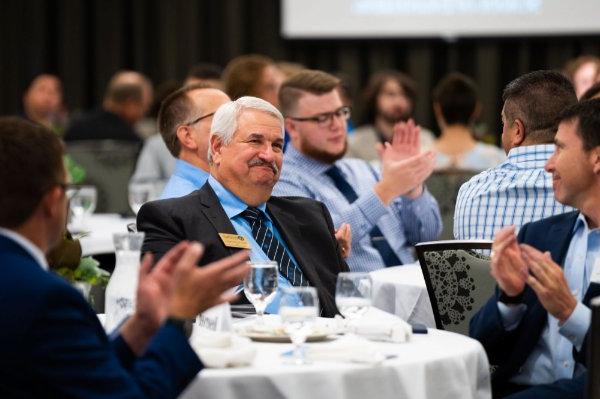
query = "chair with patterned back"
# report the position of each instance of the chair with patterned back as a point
(458, 280)
(108, 165)
(444, 186)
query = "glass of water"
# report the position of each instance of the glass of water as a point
(82, 203)
(299, 308)
(260, 285)
(353, 294)
(140, 193)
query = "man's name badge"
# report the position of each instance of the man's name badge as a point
(234, 241)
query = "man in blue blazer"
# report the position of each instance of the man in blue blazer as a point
(534, 328)
(51, 343)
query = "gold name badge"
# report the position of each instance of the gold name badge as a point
(234, 241)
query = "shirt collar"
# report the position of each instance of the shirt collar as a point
(307, 164)
(581, 222)
(530, 156)
(232, 205)
(190, 172)
(30, 247)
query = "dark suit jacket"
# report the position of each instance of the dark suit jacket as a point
(101, 125)
(304, 224)
(509, 350)
(53, 346)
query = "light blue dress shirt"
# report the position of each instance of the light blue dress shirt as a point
(403, 223)
(516, 192)
(233, 207)
(552, 358)
(185, 179)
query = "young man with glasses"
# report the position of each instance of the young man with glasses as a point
(184, 122)
(388, 209)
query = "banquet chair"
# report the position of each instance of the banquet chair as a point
(108, 165)
(458, 280)
(444, 186)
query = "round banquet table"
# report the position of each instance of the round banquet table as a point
(401, 290)
(99, 230)
(436, 365)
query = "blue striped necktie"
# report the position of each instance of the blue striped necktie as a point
(273, 248)
(377, 239)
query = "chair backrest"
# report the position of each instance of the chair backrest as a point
(458, 280)
(444, 186)
(108, 165)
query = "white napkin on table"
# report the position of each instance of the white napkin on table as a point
(378, 325)
(221, 349)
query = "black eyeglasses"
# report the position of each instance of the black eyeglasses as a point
(326, 118)
(198, 119)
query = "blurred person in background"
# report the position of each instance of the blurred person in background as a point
(206, 73)
(389, 98)
(43, 102)
(583, 72)
(253, 75)
(456, 107)
(591, 93)
(126, 101)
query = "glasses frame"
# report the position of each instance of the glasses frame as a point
(198, 119)
(326, 118)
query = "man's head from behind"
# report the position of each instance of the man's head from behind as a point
(532, 103)
(246, 148)
(184, 121)
(390, 95)
(315, 116)
(33, 179)
(129, 95)
(253, 75)
(455, 100)
(575, 164)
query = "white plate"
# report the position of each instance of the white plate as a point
(273, 331)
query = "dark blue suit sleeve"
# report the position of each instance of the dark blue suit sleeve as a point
(73, 356)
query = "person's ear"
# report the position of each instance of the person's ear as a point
(52, 202)
(595, 159)
(290, 127)
(185, 137)
(216, 146)
(518, 133)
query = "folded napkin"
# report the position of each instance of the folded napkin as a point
(221, 349)
(378, 325)
(347, 349)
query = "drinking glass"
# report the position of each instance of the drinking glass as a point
(82, 203)
(353, 294)
(140, 193)
(260, 285)
(299, 308)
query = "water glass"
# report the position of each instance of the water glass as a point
(82, 203)
(260, 285)
(353, 294)
(140, 193)
(299, 308)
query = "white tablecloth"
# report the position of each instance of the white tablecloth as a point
(401, 291)
(100, 229)
(437, 365)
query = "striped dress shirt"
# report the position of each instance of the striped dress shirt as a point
(516, 192)
(403, 223)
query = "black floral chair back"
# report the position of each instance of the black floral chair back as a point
(457, 275)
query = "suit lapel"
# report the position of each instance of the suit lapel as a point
(288, 226)
(212, 209)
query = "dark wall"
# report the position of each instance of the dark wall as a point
(86, 41)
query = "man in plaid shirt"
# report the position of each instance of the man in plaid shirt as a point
(518, 190)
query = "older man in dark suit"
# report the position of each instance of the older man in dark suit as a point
(535, 327)
(51, 342)
(234, 209)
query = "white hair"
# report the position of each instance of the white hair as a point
(226, 118)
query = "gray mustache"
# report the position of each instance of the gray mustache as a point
(259, 162)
